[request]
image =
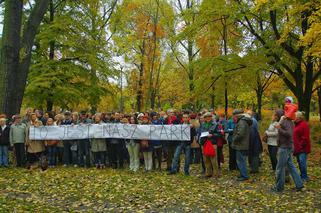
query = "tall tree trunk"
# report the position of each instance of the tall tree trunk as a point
(226, 100)
(225, 53)
(213, 97)
(13, 92)
(51, 55)
(319, 100)
(139, 95)
(9, 61)
(191, 71)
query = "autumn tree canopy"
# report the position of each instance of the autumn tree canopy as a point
(141, 55)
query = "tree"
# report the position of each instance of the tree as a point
(16, 52)
(77, 66)
(138, 30)
(278, 26)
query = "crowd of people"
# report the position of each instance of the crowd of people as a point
(287, 135)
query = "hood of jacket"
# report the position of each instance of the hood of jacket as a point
(246, 118)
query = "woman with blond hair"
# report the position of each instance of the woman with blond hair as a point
(35, 148)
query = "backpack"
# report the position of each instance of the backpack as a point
(208, 149)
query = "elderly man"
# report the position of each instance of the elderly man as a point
(241, 140)
(17, 140)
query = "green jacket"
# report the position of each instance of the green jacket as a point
(17, 133)
(241, 134)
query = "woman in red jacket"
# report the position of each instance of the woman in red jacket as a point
(302, 143)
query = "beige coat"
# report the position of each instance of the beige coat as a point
(34, 146)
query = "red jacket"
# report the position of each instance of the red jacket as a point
(301, 138)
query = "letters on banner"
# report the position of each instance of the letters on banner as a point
(121, 131)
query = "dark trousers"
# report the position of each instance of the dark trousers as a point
(254, 162)
(157, 155)
(116, 155)
(99, 158)
(195, 155)
(220, 157)
(67, 158)
(273, 151)
(84, 152)
(232, 158)
(170, 154)
(34, 157)
(52, 155)
(20, 153)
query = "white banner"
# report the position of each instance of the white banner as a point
(109, 130)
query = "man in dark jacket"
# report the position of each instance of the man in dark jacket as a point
(241, 140)
(4, 142)
(255, 147)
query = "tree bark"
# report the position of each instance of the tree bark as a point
(12, 70)
(319, 100)
(51, 55)
(9, 61)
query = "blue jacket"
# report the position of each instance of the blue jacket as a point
(156, 143)
(229, 129)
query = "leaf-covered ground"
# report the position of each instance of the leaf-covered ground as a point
(90, 190)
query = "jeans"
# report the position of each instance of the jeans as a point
(133, 151)
(302, 161)
(84, 152)
(273, 151)
(4, 156)
(285, 161)
(187, 150)
(170, 154)
(52, 154)
(241, 163)
(20, 154)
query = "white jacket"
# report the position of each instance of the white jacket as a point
(272, 134)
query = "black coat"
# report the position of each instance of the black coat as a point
(4, 136)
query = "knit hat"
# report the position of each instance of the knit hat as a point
(289, 99)
(238, 111)
(208, 114)
(279, 113)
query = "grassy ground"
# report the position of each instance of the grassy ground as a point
(90, 190)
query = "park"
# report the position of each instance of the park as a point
(160, 106)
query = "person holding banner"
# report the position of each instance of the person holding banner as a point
(186, 146)
(35, 148)
(157, 144)
(132, 148)
(171, 145)
(147, 149)
(98, 146)
(51, 147)
(67, 143)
